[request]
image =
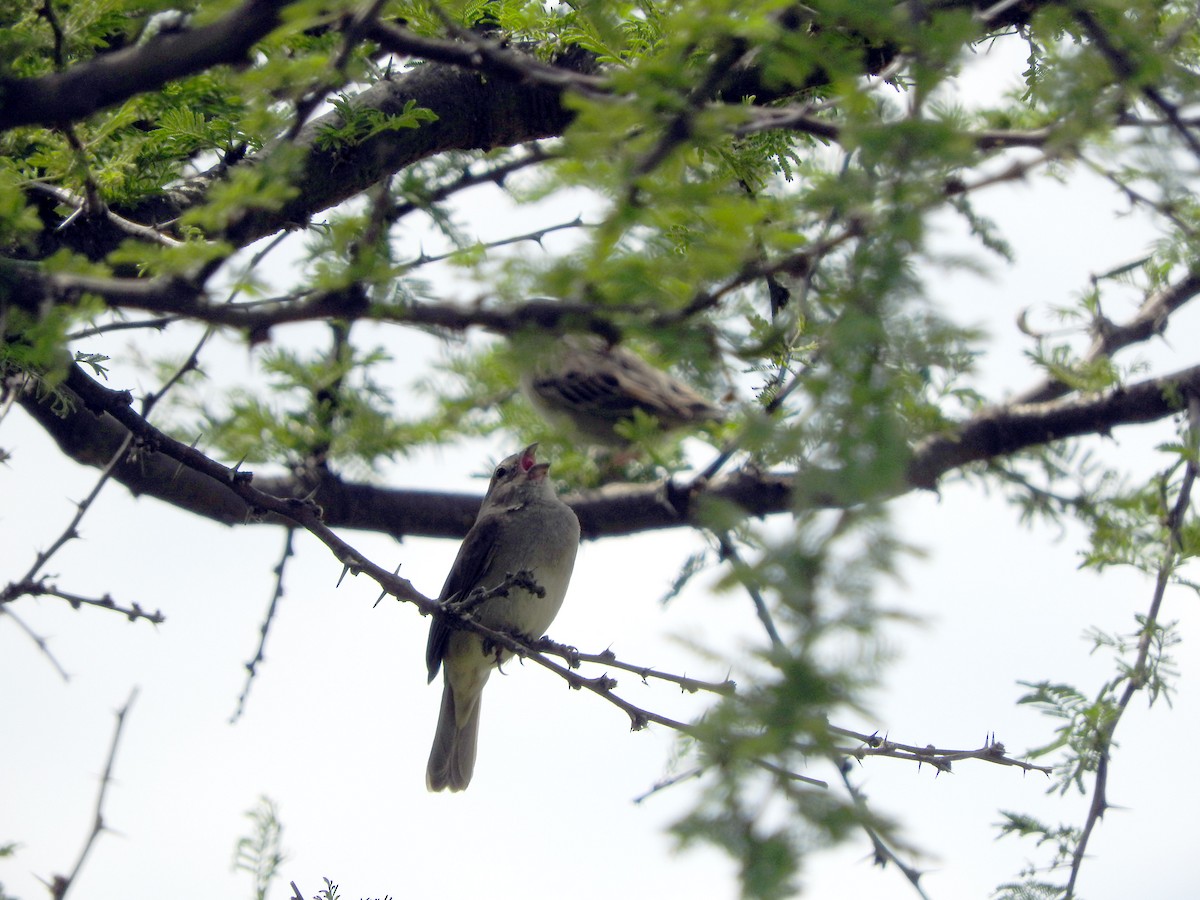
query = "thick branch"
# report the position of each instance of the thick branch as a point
(485, 96)
(473, 113)
(1008, 429)
(92, 439)
(194, 482)
(105, 80)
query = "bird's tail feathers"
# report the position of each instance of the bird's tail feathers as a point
(452, 759)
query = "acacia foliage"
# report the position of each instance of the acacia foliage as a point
(763, 178)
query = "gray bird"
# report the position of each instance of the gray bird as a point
(522, 525)
(595, 386)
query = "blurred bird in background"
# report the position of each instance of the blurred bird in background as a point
(594, 387)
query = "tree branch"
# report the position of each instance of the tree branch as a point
(473, 113)
(33, 288)
(1150, 321)
(43, 587)
(61, 884)
(38, 641)
(1008, 429)
(106, 80)
(185, 477)
(276, 596)
(472, 51)
(941, 759)
(485, 96)
(1137, 676)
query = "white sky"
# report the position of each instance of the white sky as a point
(339, 720)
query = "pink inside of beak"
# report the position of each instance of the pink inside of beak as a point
(527, 461)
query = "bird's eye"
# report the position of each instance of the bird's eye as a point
(501, 471)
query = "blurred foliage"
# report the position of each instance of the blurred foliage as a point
(260, 853)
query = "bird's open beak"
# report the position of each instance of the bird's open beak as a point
(534, 470)
(529, 456)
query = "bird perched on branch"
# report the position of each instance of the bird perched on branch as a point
(595, 387)
(522, 528)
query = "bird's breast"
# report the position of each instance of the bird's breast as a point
(550, 559)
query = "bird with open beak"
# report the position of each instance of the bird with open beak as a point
(521, 526)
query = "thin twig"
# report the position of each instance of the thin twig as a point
(495, 174)
(664, 783)
(1135, 676)
(535, 236)
(308, 101)
(729, 552)
(883, 853)
(8, 391)
(193, 360)
(1150, 320)
(38, 640)
(940, 758)
(61, 884)
(574, 657)
(790, 775)
(990, 15)
(1137, 198)
(43, 588)
(23, 585)
(276, 596)
(158, 323)
(79, 205)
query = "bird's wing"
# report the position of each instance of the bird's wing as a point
(611, 383)
(585, 387)
(473, 560)
(671, 401)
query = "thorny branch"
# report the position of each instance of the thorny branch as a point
(60, 885)
(31, 585)
(276, 596)
(78, 204)
(493, 174)
(1136, 676)
(536, 236)
(940, 758)
(538, 651)
(307, 515)
(38, 641)
(42, 587)
(574, 657)
(1150, 320)
(883, 851)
